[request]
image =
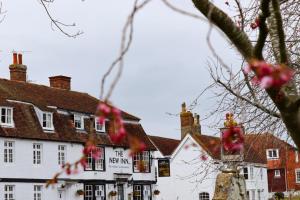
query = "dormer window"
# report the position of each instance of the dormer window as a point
(272, 154)
(6, 116)
(47, 122)
(98, 126)
(78, 122)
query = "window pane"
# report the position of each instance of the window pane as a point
(9, 192)
(8, 152)
(204, 196)
(245, 172)
(61, 154)
(3, 115)
(37, 154)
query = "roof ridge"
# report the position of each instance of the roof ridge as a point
(164, 137)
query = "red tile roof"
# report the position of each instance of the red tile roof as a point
(43, 96)
(255, 146)
(27, 125)
(254, 151)
(165, 145)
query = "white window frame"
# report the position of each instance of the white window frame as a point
(277, 173)
(88, 192)
(273, 156)
(78, 117)
(145, 158)
(48, 121)
(8, 119)
(8, 152)
(37, 192)
(137, 192)
(37, 153)
(100, 191)
(245, 169)
(251, 177)
(61, 154)
(99, 127)
(296, 156)
(259, 194)
(96, 165)
(252, 194)
(297, 175)
(9, 192)
(100, 163)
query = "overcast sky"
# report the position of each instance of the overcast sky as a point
(167, 63)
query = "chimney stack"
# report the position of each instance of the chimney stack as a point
(197, 126)
(60, 82)
(186, 121)
(189, 124)
(17, 69)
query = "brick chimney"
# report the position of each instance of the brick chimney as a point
(197, 126)
(61, 82)
(186, 121)
(17, 69)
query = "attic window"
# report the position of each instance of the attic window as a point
(98, 126)
(272, 154)
(78, 122)
(6, 116)
(47, 122)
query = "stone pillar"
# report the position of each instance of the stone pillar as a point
(230, 186)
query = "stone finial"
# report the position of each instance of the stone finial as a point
(183, 107)
(229, 122)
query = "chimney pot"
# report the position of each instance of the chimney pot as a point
(60, 82)
(17, 70)
(15, 58)
(20, 60)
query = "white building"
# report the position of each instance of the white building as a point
(42, 128)
(195, 163)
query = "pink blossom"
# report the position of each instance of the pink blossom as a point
(268, 75)
(232, 139)
(247, 69)
(101, 119)
(104, 108)
(203, 157)
(266, 82)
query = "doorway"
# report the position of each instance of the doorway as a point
(121, 195)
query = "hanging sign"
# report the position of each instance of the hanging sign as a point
(163, 168)
(232, 147)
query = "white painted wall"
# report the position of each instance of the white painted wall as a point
(190, 175)
(23, 168)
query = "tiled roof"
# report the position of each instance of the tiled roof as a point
(262, 142)
(212, 146)
(165, 145)
(43, 96)
(254, 148)
(27, 125)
